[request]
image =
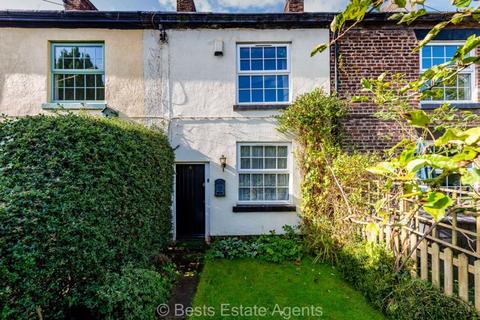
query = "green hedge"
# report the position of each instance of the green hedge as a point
(80, 197)
(369, 269)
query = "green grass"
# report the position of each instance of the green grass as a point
(250, 283)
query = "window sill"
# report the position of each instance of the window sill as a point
(73, 106)
(457, 105)
(259, 107)
(264, 208)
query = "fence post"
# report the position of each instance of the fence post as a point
(477, 284)
(435, 265)
(413, 242)
(463, 276)
(448, 270)
(423, 260)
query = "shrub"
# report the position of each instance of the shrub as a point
(80, 197)
(271, 248)
(134, 293)
(370, 269)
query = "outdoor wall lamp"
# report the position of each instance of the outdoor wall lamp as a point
(223, 162)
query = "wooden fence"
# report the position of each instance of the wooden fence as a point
(448, 256)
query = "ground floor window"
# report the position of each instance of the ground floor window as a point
(264, 172)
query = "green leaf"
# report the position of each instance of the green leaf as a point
(319, 49)
(473, 135)
(441, 162)
(415, 165)
(410, 17)
(400, 3)
(418, 118)
(436, 205)
(382, 168)
(471, 177)
(407, 155)
(461, 3)
(453, 135)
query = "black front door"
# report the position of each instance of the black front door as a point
(190, 201)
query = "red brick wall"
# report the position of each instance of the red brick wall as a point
(78, 5)
(366, 53)
(294, 6)
(186, 6)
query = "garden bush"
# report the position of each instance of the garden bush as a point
(271, 248)
(135, 293)
(370, 269)
(80, 198)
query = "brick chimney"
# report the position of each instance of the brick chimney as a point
(186, 6)
(294, 6)
(84, 5)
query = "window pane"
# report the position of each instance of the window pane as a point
(282, 193)
(257, 151)
(450, 51)
(69, 94)
(270, 194)
(90, 95)
(270, 180)
(257, 194)
(245, 65)
(257, 64)
(257, 53)
(244, 180)
(244, 96)
(244, 53)
(270, 151)
(282, 95)
(244, 151)
(426, 63)
(257, 82)
(270, 163)
(427, 51)
(282, 180)
(69, 80)
(257, 180)
(282, 52)
(464, 80)
(270, 64)
(269, 52)
(282, 151)
(282, 64)
(257, 95)
(437, 61)
(245, 163)
(80, 94)
(282, 82)
(90, 80)
(270, 95)
(100, 94)
(270, 82)
(282, 163)
(257, 163)
(438, 51)
(100, 80)
(244, 194)
(244, 82)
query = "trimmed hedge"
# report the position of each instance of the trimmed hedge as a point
(80, 198)
(369, 269)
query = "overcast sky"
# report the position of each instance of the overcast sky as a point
(202, 5)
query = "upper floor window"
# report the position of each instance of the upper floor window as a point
(459, 89)
(264, 172)
(78, 72)
(263, 74)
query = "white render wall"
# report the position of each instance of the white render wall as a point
(192, 92)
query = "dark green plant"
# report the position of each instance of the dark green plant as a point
(134, 294)
(370, 269)
(271, 248)
(80, 197)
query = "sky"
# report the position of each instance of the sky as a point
(202, 5)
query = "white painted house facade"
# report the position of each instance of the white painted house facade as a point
(215, 82)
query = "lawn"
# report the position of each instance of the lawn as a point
(279, 291)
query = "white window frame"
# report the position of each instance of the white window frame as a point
(288, 170)
(471, 70)
(264, 72)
